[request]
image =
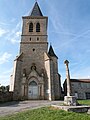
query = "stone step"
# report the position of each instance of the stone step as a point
(78, 109)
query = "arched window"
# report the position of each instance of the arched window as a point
(31, 27)
(37, 27)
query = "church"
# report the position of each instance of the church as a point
(35, 74)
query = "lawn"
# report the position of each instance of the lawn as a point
(46, 113)
(84, 102)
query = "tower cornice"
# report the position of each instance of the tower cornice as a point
(34, 35)
(34, 17)
(33, 42)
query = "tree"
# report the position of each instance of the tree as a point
(2, 88)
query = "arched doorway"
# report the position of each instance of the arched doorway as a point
(33, 90)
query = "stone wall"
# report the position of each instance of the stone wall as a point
(56, 79)
(79, 88)
(6, 96)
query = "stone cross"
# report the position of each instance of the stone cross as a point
(66, 62)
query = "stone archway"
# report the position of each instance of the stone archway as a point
(33, 92)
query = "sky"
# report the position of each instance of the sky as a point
(68, 32)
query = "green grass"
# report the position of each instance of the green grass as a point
(47, 113)
(84, 102)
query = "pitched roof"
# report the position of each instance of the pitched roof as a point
(19, 57)
(36, 10)
(80, 80)
(51, 52)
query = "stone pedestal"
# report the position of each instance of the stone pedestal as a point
(70, 100)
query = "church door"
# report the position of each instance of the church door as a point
(33, 90)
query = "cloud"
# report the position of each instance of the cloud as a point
(2, 32)
(13, 20)
(64, 33)
(18, 33)
(4, 57)
(14, 41)
(80, 35)
(16, 38)
(15, 30)
(3, 23)
(5, 77)
(82, 73)
(8, 71)
(15, 34)
(55, 19)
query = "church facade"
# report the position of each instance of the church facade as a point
(35, 74)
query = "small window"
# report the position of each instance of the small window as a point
(37, 27)
(31, 27)
(33, 49)
(30, 39)
(37, 38)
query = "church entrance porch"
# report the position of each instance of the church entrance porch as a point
(33, 92)
(35, 85)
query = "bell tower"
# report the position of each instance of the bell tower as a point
(34, 38)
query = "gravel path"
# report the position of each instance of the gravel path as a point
(14, 107)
